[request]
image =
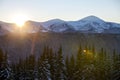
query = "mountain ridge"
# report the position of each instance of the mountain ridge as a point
(89, 24)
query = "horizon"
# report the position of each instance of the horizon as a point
(59, 39)
(68, 10)
(64, 20)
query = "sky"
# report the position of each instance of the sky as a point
(43, 10)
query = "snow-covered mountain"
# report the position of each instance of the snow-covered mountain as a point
(6, 27)
(32, 27)
(90, 24)
(56, 25)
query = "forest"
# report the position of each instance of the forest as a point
(87, 64)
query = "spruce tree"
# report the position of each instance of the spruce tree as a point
(68, 67)
(31, 66)
(43, 65)
(79, 64)
(72, 70)
(52, 64)
(60, 65)
(5, 70)
(115, 75)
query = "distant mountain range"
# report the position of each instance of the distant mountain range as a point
(90, 24)
(47, 33)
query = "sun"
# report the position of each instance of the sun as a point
(20, 19)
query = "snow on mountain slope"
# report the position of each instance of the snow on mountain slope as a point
(6, 27)
(56, 25)
(48, 23)
(32, 27)
(92, 19)
(113, 25)
(88, 24)
(61, 27)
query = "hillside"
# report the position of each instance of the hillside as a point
(22, 45)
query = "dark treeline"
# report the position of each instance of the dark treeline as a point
(86, 65)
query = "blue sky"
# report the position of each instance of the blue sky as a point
(42, 10)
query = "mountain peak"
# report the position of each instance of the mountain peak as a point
(87, 24)
(55, 20)
(92, 19)
(51, 22)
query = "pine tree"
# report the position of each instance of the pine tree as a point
(5, 70)
(79, 64)
(60, 64)
(31, 66)
(18, 70)
(67, 67)
(43, 65)
(116, 66)
(52, 60)
(102, 65)
(72, 70)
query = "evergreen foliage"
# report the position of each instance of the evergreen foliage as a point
(86, 65)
